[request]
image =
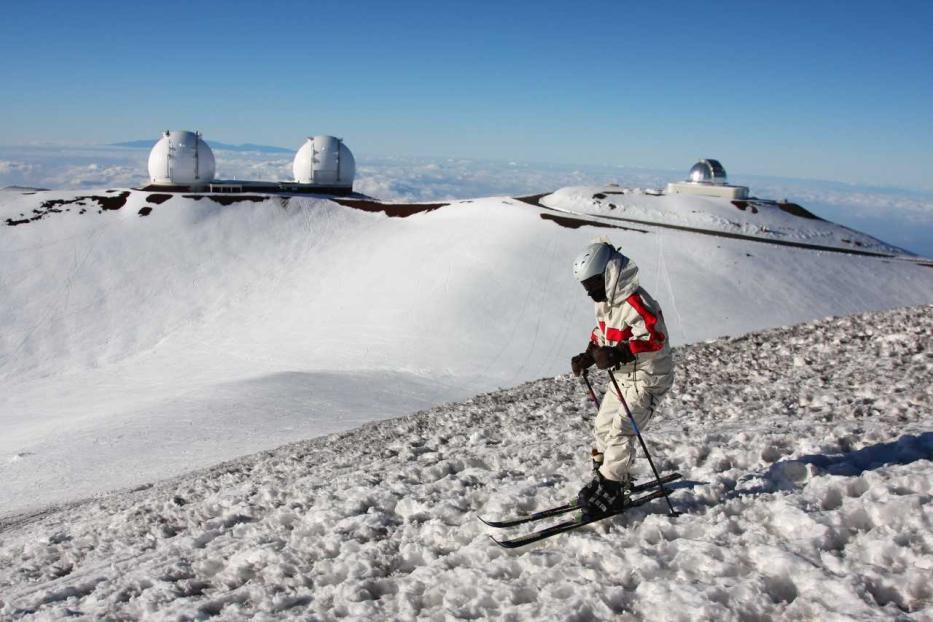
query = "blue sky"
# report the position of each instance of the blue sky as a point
(839, 91)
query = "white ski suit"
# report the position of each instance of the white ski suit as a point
(633, 319)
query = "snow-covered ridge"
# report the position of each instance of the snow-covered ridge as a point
(142, 264)
(135, 331)
(755, 218)
(808, 485)
(902, 217)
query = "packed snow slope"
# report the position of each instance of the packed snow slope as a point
(807, 455)
(145, 334)
(778, 222)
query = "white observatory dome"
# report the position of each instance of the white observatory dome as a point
(708, 172)
(181, 158)
(324, 161)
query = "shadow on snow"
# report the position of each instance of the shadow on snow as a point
(791, 474)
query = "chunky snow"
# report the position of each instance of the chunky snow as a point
(145, 335)
(808, 484)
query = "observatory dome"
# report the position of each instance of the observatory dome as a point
(181, 158)
(708, 178)
(324, 161)
(708, 172)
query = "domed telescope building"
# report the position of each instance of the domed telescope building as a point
(324, 161)
(181, 161)
(181, 158)
(708, 178)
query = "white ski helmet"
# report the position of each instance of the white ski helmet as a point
(593, 260)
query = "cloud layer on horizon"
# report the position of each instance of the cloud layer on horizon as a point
(901, 217)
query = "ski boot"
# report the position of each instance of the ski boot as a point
(603, 496)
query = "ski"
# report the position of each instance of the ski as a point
(569, 507)
(537, 536)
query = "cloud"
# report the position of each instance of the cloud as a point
(71, 167)
(15, 168)
(860, 202)
(417, 179)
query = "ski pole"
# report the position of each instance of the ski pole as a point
(644, 447)
(589, 388)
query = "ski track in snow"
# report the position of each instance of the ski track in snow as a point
(806, 454)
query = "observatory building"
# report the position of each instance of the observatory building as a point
(181, 161)
(181, 158)
(708, 178)
(324, 161)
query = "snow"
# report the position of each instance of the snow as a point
(760, 219)
(139, 347)
(806, 453)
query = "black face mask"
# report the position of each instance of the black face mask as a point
(595, 287)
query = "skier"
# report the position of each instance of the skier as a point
(631, 338)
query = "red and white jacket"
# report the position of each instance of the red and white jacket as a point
(631, 318)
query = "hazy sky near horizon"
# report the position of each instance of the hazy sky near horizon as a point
(838, 91)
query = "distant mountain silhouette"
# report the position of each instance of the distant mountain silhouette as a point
(148, 143)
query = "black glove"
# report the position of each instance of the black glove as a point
(609, 357)
(584, 360)
(581, 362)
